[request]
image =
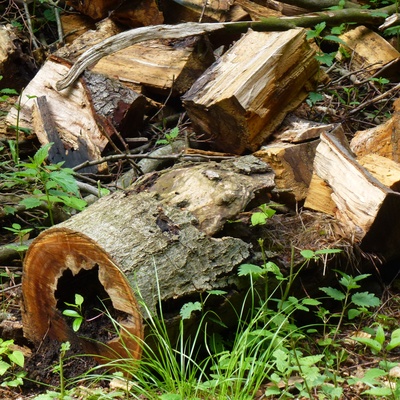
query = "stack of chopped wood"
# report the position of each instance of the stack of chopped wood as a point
(238, 84)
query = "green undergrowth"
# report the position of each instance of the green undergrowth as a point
(269, 353)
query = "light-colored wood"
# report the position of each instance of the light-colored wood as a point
(159, 65)
(369, 51)
(197, 10)
(70, 109)
(368, 208)
(319, 197)
(293, 166)
(257, 11)
(104, 29)
(385, 170)
(246, 94)
(129, 38)
(50, 256)
(131, 13)
(382, 140)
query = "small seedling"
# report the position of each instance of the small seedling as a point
(21, 234)
(170, 136)
(260, 217)
(75, 312)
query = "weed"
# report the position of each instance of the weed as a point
(51, 184)
(169, 137)
(10, 361)
(75, 312)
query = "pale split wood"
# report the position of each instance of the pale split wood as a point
(368, 208)
(128, 38)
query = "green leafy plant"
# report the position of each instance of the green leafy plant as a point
(260, 217)
(10, 361)
(353, 304)
(62, 394)
(51, 184)
(21, 234)
(75, 312)
(316, 34)
(169, 137)
(313, 98)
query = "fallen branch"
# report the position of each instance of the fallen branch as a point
(131, 37)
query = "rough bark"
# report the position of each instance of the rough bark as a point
(154, 235)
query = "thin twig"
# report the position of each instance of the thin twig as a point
(375, 99)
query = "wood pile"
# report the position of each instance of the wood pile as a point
(239, 91)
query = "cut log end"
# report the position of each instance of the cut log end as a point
(63, 263)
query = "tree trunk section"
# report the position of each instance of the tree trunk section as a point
(152, 241)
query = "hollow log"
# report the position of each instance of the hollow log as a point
(152, 240)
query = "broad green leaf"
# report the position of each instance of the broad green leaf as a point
(379, 391)
(17, 357)
(374, 345)
(326, 59)
(217, 292)
(338, 30)
(41, 154)
(308, 254)
(4, 367)
(173, 133)
(361, 277)
(315, 97)
(272, 267)
(365, 299)
(188, 308)
(72, 313)
(65, 180)
(250, 269)
(394, 340)
(328, 251)
(353, 313)
(76, 324)
(258, 218)
(8, 91)
(335, 294)
(311, 360)
(333, 38)
(9, 210)
(311, 302)
(73, 202)
(30, 202)
(380, 334)
(78, 299)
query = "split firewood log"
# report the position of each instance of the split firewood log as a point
(370, 53)
(364, 204)
(81, 120)
(382, 140)
(246, 94)
(151, 241)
